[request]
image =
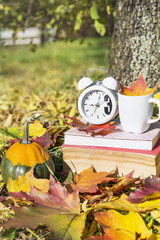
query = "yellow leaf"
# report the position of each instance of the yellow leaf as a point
(59, 105)
(64, 95)
(24, 183)
(120, 204)
(51, 107)
(150, 204)
(156, 215)
(63, 104)
(72, 112)
(157, 95)
(61, 122)
(149, 225)
(35, 129)
(118, 226)
(108, 9)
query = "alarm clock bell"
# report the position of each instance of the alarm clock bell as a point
(84, 82)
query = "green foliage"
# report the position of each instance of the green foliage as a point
(99, 27)
(10, 233)
(93, 11)
(60, 15)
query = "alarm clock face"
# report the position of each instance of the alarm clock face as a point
(97, 104)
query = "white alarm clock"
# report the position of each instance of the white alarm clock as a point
(97, 104)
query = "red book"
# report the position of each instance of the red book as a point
(78, 156)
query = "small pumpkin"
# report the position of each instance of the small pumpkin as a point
(24, 155)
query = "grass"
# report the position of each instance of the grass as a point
(46, 80)
(55, 65)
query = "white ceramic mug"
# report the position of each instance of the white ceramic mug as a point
(135, 112)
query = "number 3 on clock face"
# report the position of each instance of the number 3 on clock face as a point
(97, 104)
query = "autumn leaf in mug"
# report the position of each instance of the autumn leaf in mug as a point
(138, 88)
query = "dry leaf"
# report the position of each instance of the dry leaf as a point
(102, 129)
(24, 183)
(138, 88)
(87, 180)
(36, 129)
(118, 226)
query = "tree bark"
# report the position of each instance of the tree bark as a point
(136, 41)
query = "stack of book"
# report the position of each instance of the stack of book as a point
(118, 149)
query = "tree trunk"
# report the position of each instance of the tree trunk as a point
(136, 41)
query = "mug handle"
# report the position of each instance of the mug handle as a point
(157, 101)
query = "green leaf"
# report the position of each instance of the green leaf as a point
(50, 24)
(65, 225)
(99, 27)
(70, 177)
(14, 132)
(19, 18)
(93, 11)
(114, 13)
(10, 233)
(11, 132)
(78, 21)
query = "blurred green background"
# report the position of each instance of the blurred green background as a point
(55, 65)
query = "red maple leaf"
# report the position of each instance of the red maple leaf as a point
(102, 129)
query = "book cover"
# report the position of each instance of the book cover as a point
(116, 139)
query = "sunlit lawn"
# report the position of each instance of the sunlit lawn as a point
(46, 80)
(56, 64)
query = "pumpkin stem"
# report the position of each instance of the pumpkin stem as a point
(26, 128)
(26, 132)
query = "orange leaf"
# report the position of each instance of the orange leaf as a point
(87, 180)
(138, 88)
(126, 181)
(118, 226)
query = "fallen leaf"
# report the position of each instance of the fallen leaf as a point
(45, 140)
(11, 132)
(125, 182)
(118, 226)
(4, 211)
(24, 183)
(87, 180)
(150, 190)
(157, 95)
(35, 129)
(102, 129)
(120, 204)
(57, 197)
(150, 204)
(65, 225)
(156, 215)
(138, 88)
(58, 209)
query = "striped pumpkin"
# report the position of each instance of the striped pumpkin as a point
(24, 155)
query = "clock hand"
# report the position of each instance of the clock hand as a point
(91, 104)
(94, 111)
(102, 102)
